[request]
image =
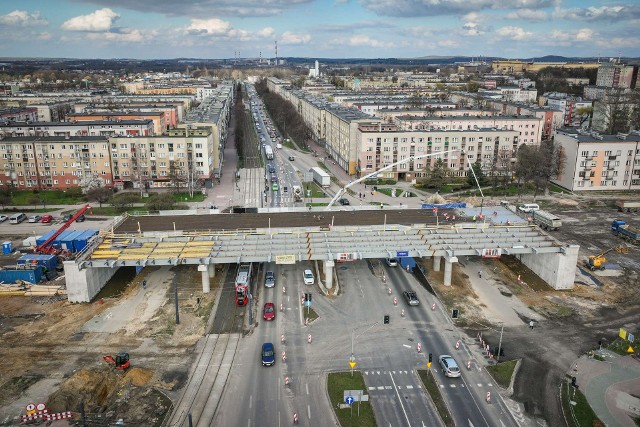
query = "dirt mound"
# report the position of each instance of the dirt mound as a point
(107, 394)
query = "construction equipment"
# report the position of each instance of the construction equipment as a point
(47, 246)
(596, 262)
(120, 362)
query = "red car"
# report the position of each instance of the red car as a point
(269, 312)
(46, 219)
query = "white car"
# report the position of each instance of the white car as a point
(35, 218)
(308, 277)
(3, 218)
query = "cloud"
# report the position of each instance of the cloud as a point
(21, 18)
(289, 38)
(45, 36)
(126, 35)
(352, 26)
(418, 32)
(100, 20)
(474, 24)
(567, 38)
(529, 15)
(197, 9)
(602, 13)
(513, 33)
(213, 26)
(413, 8)
(360, 40)
(266, 32)
(584, 34)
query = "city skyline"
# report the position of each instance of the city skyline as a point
(161, 29)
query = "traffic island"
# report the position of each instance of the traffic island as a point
(348, 399)
(502, 372)
(576, 408)
(431, 386)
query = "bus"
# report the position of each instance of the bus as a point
(268, 152)
(243, 281)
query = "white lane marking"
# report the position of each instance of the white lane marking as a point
(409, 387)
(404, 345)
(251, 400)
(388, 387)
(378, 372)
(489, 385)
(470, 423)
(372, 388)
(476, 403)
(366, 372)
(393, 372)
(380, 387)
(307, 386)
(400, 400)
(309, 411)
(399, 387)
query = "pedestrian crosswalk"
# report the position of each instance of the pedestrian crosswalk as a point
(404, 380)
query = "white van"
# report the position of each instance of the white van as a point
(17, 218)
(529, 207)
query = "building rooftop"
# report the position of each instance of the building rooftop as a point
(581, 135)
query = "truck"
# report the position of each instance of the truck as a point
(268, 151)
(622, 229)
(546, 220)
(320, 177)
(627, 206)
(297, 193)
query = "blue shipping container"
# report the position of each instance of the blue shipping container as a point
(80, 242)
(66, 242)
(6, 248)
(63, 236)
(40, 240)
(12, 276)
(408, 262)
(50, 262)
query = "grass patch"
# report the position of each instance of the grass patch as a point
(185, 197)
(432, 388)
(111, 211)
(309, 314)
(322, 166)
(317, 204)
(620, 345)
(316, 191)
(27, 211)
(23, 198)
(287, 143)
(502, 372)
(337, 383)
(580, 414)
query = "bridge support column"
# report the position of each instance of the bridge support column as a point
(448, 267)
(212, 271)
(328, 274)
(436, 263)
(204, 269)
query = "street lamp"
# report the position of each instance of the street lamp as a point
(500, 341)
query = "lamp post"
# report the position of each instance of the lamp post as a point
(500, 341)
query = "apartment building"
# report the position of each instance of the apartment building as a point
(18, 114)
(170, 111)
(163, 161)
(529, 128)
(614, 75)
(82, 128)
(53, 162)
(570, 105)
(381, 144)
(448, 110)
(158, 119)
(596, 162)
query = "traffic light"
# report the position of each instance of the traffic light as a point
(573, 382)
(306, 297)
(454, 313)
(386, 319)
(430, 357)
(309, 297)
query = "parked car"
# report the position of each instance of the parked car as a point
(35, 218)
(268, 354)
(81, 218)
(449, 366)
(411, 297)
(3, 218)
(47, 218)
(308, 277)
(344, 202)
(269, 312)
(269, 279)
(392, 262)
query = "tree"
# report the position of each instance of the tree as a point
(99, 194)
(613, 112)
(161, 202)
(415, 101)
(121, 201)
(473, 86)
(585, 114)
(394, 79)
(88, 183)
(437, 174)
(479, 175)
(34, 200)
(5, 199)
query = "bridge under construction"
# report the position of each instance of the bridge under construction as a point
(327, 237)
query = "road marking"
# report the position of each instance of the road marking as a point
(489, 385)
(381, 387)
(393, 372)
(388, 387)
(452, 385)
(400, 400)
(372, 388)
(307, 387)
(470, 423)
(399, 387)
(366, 372)
(409, 387)
(405, 345)
(378, 372)
(251, 399)
(309, 411)
(479, 385)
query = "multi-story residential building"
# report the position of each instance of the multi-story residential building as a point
(163, 161)
(53, 162)
(570, 105)
(529, 128)
(381, 144)
(595, 162)
(519, 67)
(170, 111)
(53, 111)
(448, 110)
(616, 75)
(551, 119)
(159, 122)
(22, 114)
(83, 128)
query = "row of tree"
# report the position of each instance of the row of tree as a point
(285, 116)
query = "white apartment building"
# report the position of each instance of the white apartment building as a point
(529, 128)
(597, 162)
(570, 106)
(79, 128)
(380, 145)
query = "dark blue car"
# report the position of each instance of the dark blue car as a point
(268, 354)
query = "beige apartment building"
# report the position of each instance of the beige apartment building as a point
(380, 145)
(54, 162)
(596, 162)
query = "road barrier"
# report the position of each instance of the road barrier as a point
(309, 338)
(282, 338)
(284, 356)
(488, 397)
(402, 312)
(419, 348)
(395, 301)
(457, 344)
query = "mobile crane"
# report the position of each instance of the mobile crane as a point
(47, 246)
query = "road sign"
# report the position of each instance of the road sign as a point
(285, 259)
(401, 254)
(348, 400)
(352, 364)
(491, 253)
(307, 303)
(630, 337)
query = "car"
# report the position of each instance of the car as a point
(67, 217)
(271, 168)
(81, 218)
(449, 366)
(344, 202)
(411, 297)
(268, 354)
(275, 186)
(274, 178)
(269, 279)
(3, 218)
(291, 158)
(269, 312)
(46, 218)
(35, 218)
(308, 277)
(392, 262)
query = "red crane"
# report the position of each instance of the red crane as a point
(48, 248)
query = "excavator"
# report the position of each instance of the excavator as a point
(120, 362)
(596, 262)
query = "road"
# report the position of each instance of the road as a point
(386, 354)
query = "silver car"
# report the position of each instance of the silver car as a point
(269, 279)
(449, 366)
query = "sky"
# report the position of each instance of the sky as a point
(159, 29)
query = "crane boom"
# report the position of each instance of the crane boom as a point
(46, 248)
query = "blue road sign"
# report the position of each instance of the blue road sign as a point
(307, 303)
(400, 254)
(348, 400)
(630, 337)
